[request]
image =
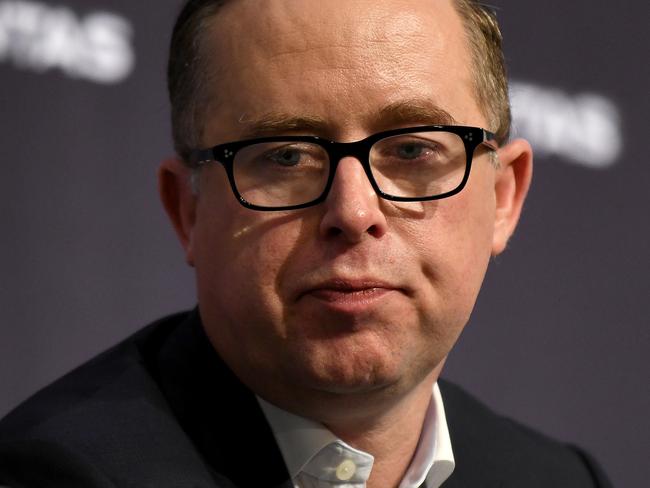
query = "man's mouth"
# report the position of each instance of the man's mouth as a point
(349, 293)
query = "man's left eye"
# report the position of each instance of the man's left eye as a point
(286, 157)
(412, 151)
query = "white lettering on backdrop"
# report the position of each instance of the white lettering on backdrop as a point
(40, 37)
(584, 128)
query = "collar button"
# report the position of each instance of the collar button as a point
(346, 470)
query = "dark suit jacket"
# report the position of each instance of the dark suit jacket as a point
(161, 410)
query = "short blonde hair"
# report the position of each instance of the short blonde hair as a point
(490, 76)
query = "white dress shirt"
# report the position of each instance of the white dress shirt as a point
(316, 458)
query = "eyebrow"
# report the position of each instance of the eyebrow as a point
(400, 113)
(418, 111)
(277, 123)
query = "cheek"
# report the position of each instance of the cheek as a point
(472, 221)
(227, 255)
(455, 251)
(240, 256)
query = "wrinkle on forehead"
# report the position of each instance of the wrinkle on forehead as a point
(335, 37)
(285, 27)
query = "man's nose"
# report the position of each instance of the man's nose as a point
(352, 208)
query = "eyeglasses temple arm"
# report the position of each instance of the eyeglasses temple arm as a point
(200, 157)
(489, 139)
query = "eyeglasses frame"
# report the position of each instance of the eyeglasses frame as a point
(472, 138)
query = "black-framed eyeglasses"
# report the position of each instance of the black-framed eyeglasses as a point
(404, 165)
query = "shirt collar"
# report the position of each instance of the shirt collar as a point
(300, 439)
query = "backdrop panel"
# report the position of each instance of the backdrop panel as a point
(559, 338)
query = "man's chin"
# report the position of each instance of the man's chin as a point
(376, 374)
(351, 387)
(352, 378)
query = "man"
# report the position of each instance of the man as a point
(344, 176)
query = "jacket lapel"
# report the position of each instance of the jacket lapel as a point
(219, 413)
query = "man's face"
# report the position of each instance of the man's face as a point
(357, 294)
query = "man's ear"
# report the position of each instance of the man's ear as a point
(510, 188)
(179, 200)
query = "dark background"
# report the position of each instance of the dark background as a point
(560, 335)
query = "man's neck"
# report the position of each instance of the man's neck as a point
(391, 437)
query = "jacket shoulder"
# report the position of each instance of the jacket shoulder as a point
(494, 450)
(95, 420)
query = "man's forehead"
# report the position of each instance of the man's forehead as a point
(304, 66)
(307, 23)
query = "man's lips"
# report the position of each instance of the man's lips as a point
(349, 291)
